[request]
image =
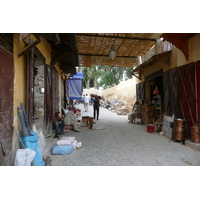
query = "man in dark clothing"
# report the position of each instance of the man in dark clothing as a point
(58, 124)
(96, 105)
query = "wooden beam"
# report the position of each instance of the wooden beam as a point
(29, 47)
(58, 57)
(107, 55)
(24, 35)
(134, 74)
(115, 37)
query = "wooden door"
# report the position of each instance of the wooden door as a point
(63, 93)
(198, 89)
(6, 107)
(170, 83)
(30, 90)
(48, 102)
(55, 98)
(66, 93)
(140, 91)
(187, 92)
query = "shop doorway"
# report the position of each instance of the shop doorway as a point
(38, 96)
(48, 102)
(154, 81)
(171, 103)
(156, 90)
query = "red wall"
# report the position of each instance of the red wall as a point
(198, 89)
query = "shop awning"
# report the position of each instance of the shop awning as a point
(63, 49)
(164, 57)
(65, 53)
(51, 36)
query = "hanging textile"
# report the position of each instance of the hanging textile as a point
(75, 86)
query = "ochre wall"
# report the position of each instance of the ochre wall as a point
(194, 48)
(45, 49)
(20, 66)
(20, 71)
(19, 78)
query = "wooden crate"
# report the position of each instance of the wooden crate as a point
(85, 118)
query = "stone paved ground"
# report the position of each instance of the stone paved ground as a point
(122, 144)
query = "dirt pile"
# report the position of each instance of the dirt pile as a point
(124, 93)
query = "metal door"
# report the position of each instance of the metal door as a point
(170, 83)
(48, 102)
(6, 107)
(188, 94)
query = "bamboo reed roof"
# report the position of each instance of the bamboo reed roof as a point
(93, 48)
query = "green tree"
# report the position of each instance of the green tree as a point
(108, 79)
(104, 76)
(91, 75)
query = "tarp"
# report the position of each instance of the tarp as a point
(78, 75)
(75, 86)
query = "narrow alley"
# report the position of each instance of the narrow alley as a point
(114, 142)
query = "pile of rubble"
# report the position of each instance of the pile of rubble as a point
(118, 107)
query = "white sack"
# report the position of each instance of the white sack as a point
(24, 157)
(66, 140)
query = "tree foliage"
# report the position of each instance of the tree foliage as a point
(108, 79)
(104, 76)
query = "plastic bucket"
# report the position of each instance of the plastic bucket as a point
(150, 129)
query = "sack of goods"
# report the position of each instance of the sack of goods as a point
(66, 140)
(62, 149)
(96, 96)
(66, 145)
(31, 142)
(24, 157)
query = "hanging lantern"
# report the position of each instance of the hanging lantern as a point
(112, 53)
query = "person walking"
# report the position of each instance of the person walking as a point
(86, 102)
(96, 105)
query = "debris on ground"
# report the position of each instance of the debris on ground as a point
(118, 107)
(99, 128)
(48, 161)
